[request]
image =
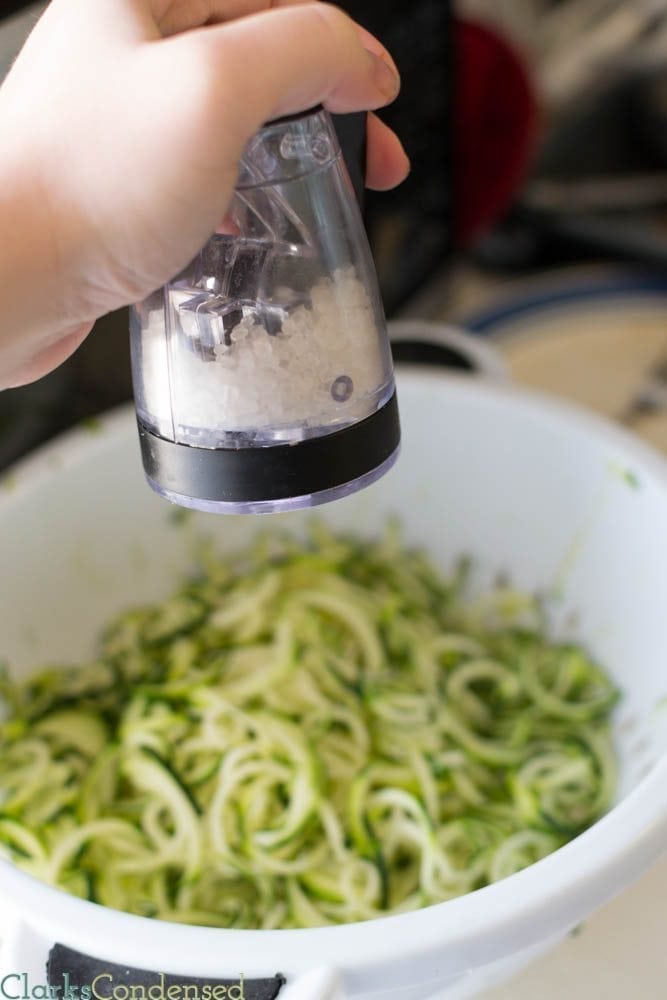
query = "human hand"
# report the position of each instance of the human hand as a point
(127, 119)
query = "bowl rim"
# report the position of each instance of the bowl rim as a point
(505, 916)
(73, 445)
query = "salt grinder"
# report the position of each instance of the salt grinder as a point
(263, 375)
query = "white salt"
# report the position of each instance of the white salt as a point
(259, 380)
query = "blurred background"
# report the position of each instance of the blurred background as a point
(535, 213)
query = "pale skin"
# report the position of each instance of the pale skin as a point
(122, 124)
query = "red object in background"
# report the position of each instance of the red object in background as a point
(495, 120)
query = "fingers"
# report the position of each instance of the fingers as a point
(174, 16)
(45, 360)
(386, 161)
(374, 45)
(386, 165)
(289, 58)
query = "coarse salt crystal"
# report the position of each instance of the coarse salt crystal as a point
(259, 379)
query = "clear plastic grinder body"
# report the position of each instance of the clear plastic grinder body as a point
(263, 375)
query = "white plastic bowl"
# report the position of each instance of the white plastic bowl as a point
(561, 500)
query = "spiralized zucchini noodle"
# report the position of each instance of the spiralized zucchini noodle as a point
(306, 733)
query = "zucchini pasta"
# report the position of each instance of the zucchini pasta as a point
(305, 733)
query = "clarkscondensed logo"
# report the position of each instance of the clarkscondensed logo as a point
(20, 986)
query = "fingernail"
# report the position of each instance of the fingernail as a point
(385, 77)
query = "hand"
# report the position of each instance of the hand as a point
(127, 119)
